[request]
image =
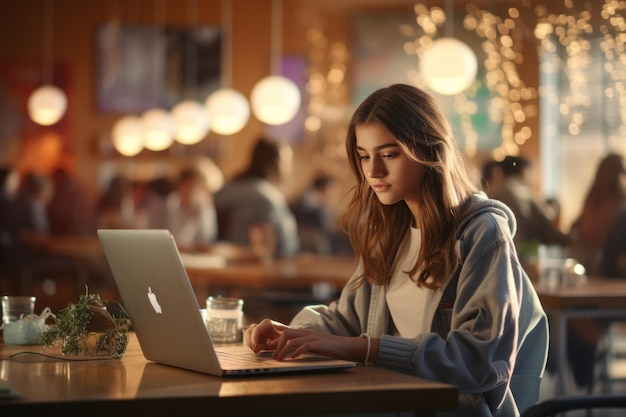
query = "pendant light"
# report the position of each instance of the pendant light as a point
(448, 66)
(48, 103)
(158, 122)
(191, 118)
(158, 125)
(127, 135)
(275, 100)
(229, 109)
(191, 122)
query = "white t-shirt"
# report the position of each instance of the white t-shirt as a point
(404, 298)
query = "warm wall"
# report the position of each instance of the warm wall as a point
(74, 23)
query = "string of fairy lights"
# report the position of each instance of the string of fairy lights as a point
(512, 102)
(614, 48)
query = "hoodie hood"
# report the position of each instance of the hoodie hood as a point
(478, 204)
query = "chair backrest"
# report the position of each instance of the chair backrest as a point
(551, 407)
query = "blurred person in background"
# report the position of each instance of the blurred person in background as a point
(71, 210)
(253, 201)
(192, 218)
(598, 243)
(534, 226)
(613, 258)
(115, 208)
(605, 199)
(22, 215)
(32, 197)
(492, 177)
(184, 206)
(317, 214)
(150, 198)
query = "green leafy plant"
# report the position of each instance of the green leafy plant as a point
(88, 327)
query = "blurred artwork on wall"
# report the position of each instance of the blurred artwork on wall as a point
(143, 66)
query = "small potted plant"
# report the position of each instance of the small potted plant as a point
(89, 328)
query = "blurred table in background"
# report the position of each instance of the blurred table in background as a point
(62, 266)
(298, 272)
(595, 298)
(279, 287)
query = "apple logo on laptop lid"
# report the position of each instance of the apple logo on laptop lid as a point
(153, 300)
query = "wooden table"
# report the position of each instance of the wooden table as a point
(134, 386)
(595, 298)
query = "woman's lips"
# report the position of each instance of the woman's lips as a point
(380, 187)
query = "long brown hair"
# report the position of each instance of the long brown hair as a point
(605, 198)
(608, 182)
(376, 230)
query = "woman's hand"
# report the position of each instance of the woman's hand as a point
(291, 343)
(294, 342)
(263, 335)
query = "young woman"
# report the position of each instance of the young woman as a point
(439, 291)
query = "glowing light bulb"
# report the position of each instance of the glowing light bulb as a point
(191, 122)
(46, 105)
(229, 111)
(449, 66)
(275, 100)
(158, 129)
(127, 135)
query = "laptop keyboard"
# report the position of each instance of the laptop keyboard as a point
(239, 360)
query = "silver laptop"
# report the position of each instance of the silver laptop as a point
(158, 297)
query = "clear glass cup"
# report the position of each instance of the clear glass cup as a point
(550, 264)
(225, 319)
(14, 307)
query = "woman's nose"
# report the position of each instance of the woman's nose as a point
(377, 168)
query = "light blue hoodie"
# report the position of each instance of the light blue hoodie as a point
(492, 344)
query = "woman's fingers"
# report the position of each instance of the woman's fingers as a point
(260, 334)
(295, 342)
(263, 336)
(247, 336)
(291, 346)
(291, 343)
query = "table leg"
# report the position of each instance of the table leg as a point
(561, 337)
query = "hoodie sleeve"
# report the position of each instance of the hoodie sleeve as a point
(478, 354)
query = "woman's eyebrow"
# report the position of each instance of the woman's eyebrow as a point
(379, 147)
